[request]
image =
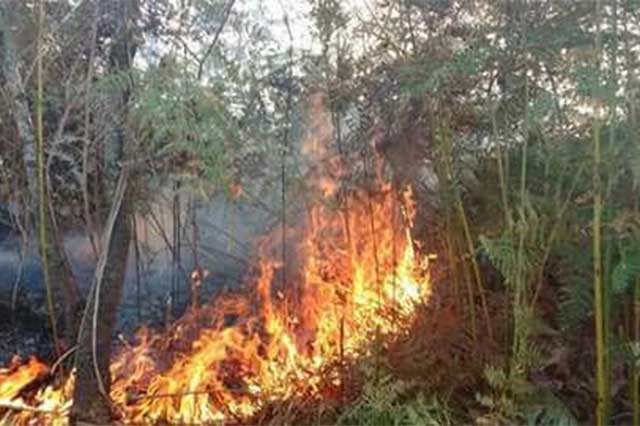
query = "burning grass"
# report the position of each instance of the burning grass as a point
(354, 279)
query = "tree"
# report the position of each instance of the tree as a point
(91, 393)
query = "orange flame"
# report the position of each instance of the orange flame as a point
(353, 274)
(16, 377)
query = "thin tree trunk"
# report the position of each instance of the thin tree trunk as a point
(91, 394)
(93, 382)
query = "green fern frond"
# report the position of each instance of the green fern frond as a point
(547, 410)
(388, 400)
(575, 303)
(502, 254)
(627, 269)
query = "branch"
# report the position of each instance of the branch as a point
(23, 407)
(225, 17)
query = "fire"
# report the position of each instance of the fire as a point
(51, 404)
(16, 377)
(353, 276)
(229, 359)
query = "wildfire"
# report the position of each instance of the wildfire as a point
(352, 276)
(229, 359)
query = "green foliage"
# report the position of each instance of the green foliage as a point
(435, 77)
(575, 293)
(591, 82)
(546, 409)
(172, 113)
(513, 399)
(386, 400)
(627, 270)
(180, 115)
(575, 303)
(502, 253)
(329, 18)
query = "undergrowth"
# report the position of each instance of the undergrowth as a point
(388, 400)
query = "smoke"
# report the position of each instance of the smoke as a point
(226, 232)
(223, 240)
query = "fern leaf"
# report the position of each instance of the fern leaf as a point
(627, 270)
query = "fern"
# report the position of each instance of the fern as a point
(387, 401)
(515, 400)
(575, 303)
(502, 254)
(575, 294)
(546, 409)
(627, 269)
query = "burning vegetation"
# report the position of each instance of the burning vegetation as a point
(227, 212)
(356, 280)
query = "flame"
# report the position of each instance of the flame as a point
(14, 378)
(351, 275)
(51, 402)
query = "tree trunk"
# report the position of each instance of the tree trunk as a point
(90, 400)
(91, 394)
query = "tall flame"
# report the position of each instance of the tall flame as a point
(352, 275)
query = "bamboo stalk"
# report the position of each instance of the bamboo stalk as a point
(635, 325)
(635, 380)
(597, 277)
(474, 264)
(136, 254)
(521, 280)
(598, 287)
(42, 202)
(472, 304)
(501, 172)
(467, 232)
